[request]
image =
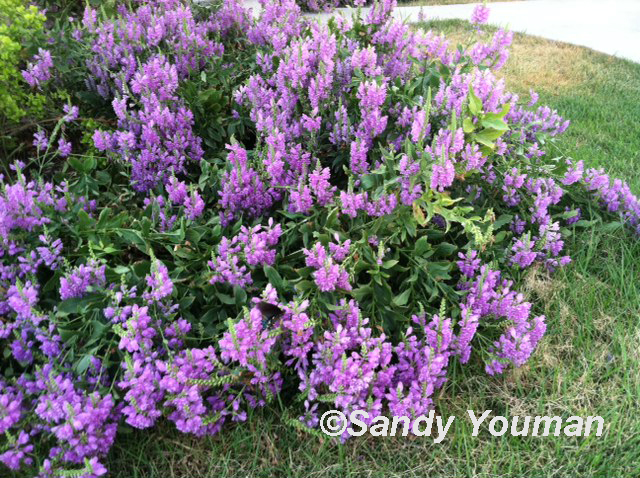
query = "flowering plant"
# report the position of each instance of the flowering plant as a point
(368, 223)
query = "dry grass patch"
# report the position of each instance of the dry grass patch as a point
(534, 62)
(539, 64)
(539, 282)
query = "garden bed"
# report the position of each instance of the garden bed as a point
(215, 227)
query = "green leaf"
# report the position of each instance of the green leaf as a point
(83, 165)
(85, 221)
(612, 226)
(77, 305)
(368, 181)
(492, 121)
(131, 236)
(444, 249)
(468, 126)
(382, 294)
(186, 302)
(418, 215)
(475, 103)
(583, 223)
(304, 285)
(402, 299)
(502, 220)
(487, 150)
(389, 264)
(121, 270)
(274, 277)
(98, 330)
(104, 215)
(68, 336)
(225, 298)
(439, 270)
(362, 292)
(505, 110)
(422, 246)
(240, 295)
(489, 134)
(83, 364)
(500, 237)
(141, 268)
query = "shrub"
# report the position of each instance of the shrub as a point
(378, 201)
(20, 25)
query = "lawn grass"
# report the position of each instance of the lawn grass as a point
(587, 364)
(599, 93)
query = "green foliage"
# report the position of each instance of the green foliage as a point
(588, 364)
(20, 28)
(399, 264)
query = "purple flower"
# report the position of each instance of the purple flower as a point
(359, 163)
(575, 218)
(523, 254)
(159, 283)
(40, 140)
(18, 452)
(250, 248)
(513, 181)
(242, 188)
(70, 113)
(574, 173)
(64, 147)
(82, 279)
(329, 275)
(469, 263)
(491, 298)
(22, 299)
(480, 15)
(138, 330)
(442, 175)
(411, 188)
(38, 71)
(418, 127)
(189, 198)
(11, 408)
(143, 394)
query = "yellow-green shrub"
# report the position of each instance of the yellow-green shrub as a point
(19, 25)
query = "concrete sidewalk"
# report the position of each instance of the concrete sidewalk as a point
(611, 27)
(608, 26)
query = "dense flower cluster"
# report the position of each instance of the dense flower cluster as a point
(251, 247)
(81, 279)
(366, 372)
(38, 71)
(329, 275)
(155, 127)
(491, 298)
(242, 189)
(157, 139)
(351, 243)
(480, 15)
(614, 194)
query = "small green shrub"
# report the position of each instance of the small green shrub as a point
(21, 27)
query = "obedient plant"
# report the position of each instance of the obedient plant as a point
(345, 214)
